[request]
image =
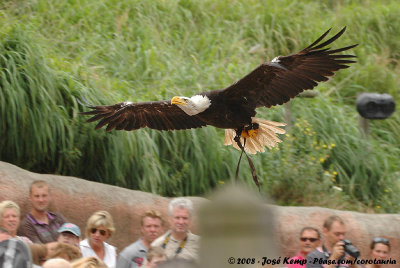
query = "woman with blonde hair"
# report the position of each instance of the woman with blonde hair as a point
(99, 227)
(65, 251)
(9, 219)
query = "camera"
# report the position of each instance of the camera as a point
(350, 249)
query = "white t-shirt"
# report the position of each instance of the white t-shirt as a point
(110, 253)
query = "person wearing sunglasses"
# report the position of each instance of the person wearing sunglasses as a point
(310, 238)
(380, 249)
(99, 227)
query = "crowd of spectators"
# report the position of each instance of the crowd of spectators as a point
(335, 251)
(45, 239)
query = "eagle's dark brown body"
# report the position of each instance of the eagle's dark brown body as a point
(228, 113)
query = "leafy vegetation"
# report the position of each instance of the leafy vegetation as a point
(53, 52)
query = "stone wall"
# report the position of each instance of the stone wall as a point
(77, 199)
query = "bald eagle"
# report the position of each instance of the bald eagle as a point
(234, 108)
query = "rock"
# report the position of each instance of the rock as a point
(77, 199)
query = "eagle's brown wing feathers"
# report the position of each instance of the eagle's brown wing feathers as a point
(269, 84)
(160, 115)
(275, 82)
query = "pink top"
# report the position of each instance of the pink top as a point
(299, 259)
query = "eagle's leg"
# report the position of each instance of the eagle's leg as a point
(237, 140)
(239, 132)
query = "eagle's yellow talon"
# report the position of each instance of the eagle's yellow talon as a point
(252, 133)
(245, 134)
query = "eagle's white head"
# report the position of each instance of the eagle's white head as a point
(193, 105)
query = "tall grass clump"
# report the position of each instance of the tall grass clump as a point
(35, 107)
(42, 132)
(52, 52)
(363, 165)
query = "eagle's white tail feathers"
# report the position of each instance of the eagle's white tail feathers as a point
(266, 136)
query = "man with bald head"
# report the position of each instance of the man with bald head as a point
(57, 263)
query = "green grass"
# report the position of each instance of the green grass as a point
(52, 52)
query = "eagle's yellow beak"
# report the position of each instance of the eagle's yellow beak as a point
(178, 101)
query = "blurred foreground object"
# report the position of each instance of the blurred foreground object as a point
(373, 106)
(14, 253)
(237, 229)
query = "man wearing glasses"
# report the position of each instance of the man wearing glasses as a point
(310, 238)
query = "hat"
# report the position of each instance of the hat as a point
(70, 227)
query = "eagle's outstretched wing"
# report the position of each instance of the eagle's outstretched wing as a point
(160, 115)
(275, 82)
